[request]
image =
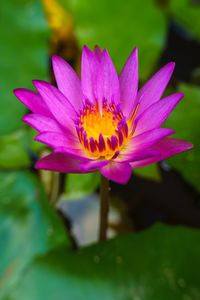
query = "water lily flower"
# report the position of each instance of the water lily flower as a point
(101, 121)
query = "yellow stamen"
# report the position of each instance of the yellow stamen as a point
(103, 134)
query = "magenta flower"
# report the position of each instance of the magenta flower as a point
(101, 121)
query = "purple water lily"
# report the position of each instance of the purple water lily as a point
(101, 121)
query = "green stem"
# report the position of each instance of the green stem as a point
(104, 207)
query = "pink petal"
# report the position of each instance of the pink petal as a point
(152, 91)
(129, 83)
(118, 172)
(98, 53)
(157, 113)
(60, 163)
(42, 123)
(68, 163)
(93, 165)
(89, 69)
(143, 142)
(33, 101)
(60, 107)
(68, 81)
(56, 140)
(73, 152)
(136, 155)
(165, 148)
(107, 81)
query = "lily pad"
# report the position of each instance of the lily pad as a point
(28, 226)
(187, 13)
(185, 119)
(23, 52)
(160, 263)
(150, 172)
(120, 27)
(80, 185)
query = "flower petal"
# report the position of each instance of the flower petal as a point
(136, 155)
(42, 123)
(60, 107)
(69, 163)
(60, 163)
(128, 81)
(118, 172)
(152, 91)
(89, 69)
(157, 113)
(56, 140)
(98, 53)
(33, 101)
(93, 165)
(74, 152)
(142, 143)
(107, 81)
(68, 81)
(166, 148)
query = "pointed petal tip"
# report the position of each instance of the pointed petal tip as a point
(37, 165)
(180, 95)
(135, 51)
(168, 68)
(40, 83)
(169, 131)
(37, 81)
(189, 145)
(170, 65)
(17, 91)
(87, 55)
(41, 165)
(133, 57)
(86, 50)
(176, 97)
(25, 119)
(96, 47)
(37, 137)
(98, 52)
(55, 56)
(85, 47)
(56, 59)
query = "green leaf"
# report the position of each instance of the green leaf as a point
(80, 185)
(17, 148)
(159, 263)
(121, 27)
(185, 120)
(23, 50)
(13, 151)
(28, 226)
(187, 13)
(150, 172)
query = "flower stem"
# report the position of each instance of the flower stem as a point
(104, 207)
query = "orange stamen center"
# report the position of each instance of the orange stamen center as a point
(103, 134)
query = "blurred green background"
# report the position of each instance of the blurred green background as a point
(40, 256)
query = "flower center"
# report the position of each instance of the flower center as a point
(102, 134)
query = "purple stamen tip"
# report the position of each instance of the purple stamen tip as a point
(114, 142)
(92, 144)
(102, 145)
